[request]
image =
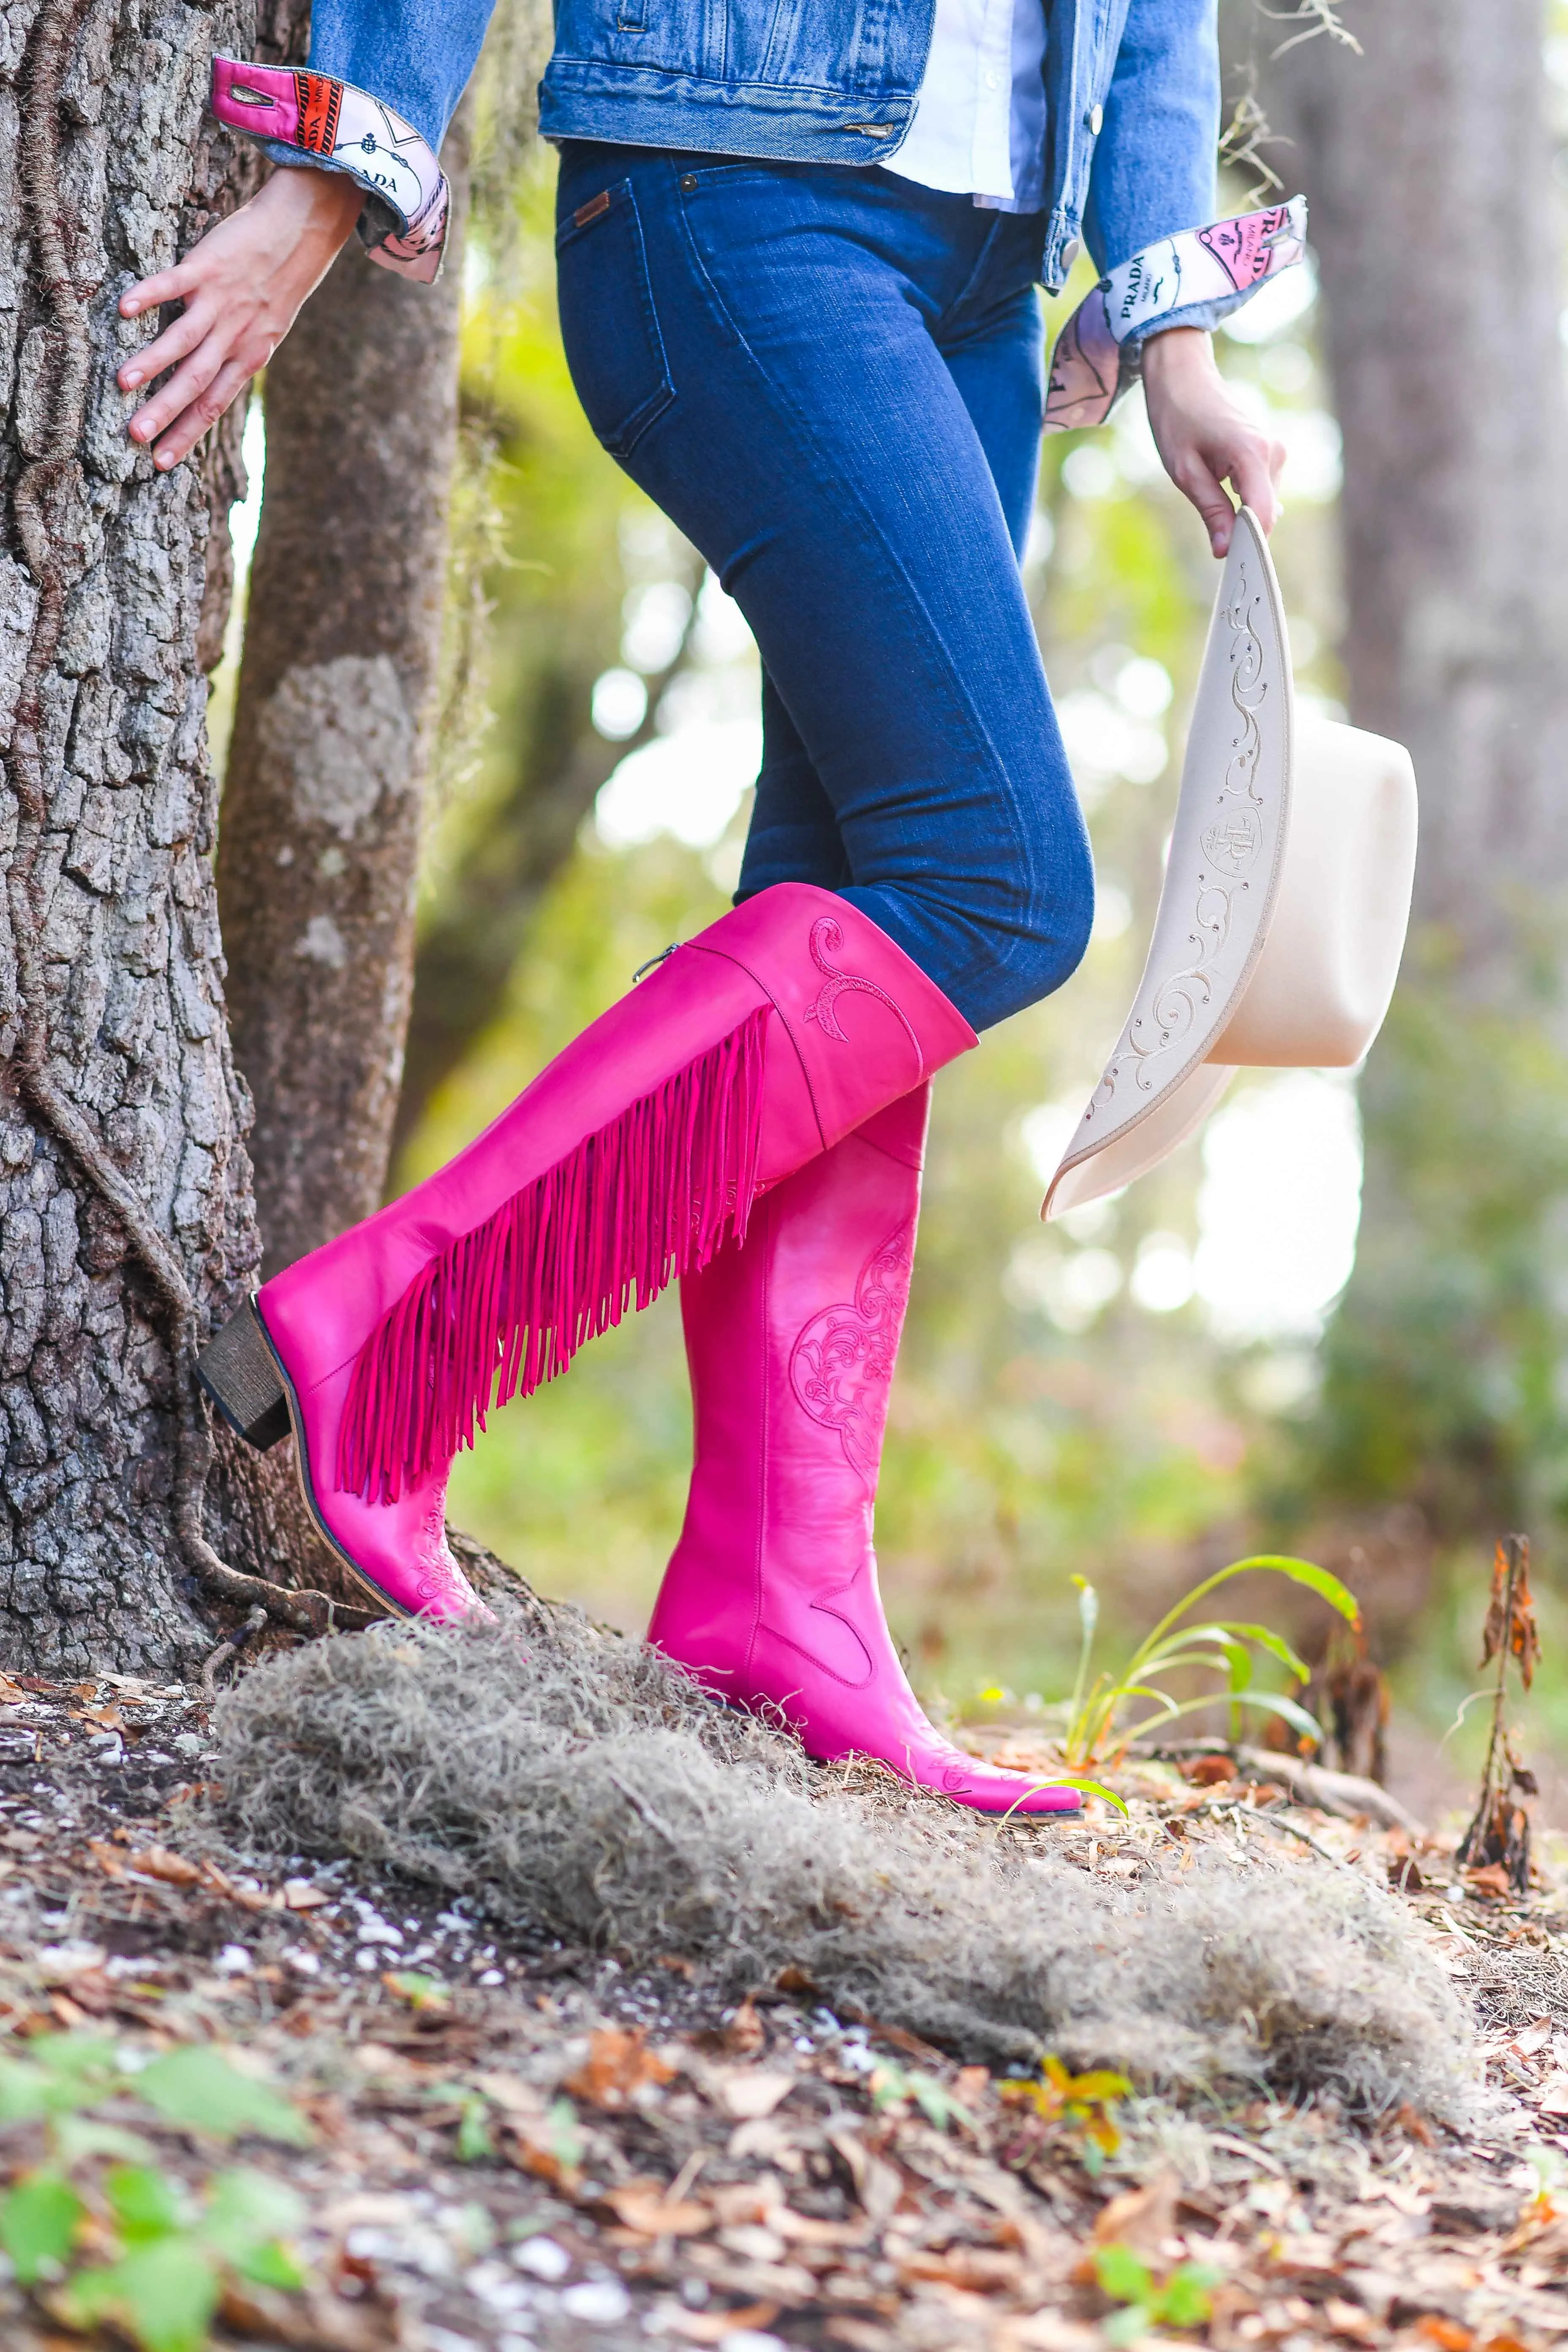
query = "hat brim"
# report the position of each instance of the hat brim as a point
(1222, 875)
(1178, 1113)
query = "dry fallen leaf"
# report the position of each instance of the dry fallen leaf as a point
(618, 2065)
(1553, 2099)
(805, 2230)
(298, 1895)
(1141, 2219)
(878, 2186)
(746, 2098)
(712, 2327)
(974, 2270)
(157, 1861)
(1447, 2334)
(1046, 2331)
(743, 2035)
(512, 2094)
(641, 2206)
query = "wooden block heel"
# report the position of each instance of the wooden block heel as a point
(238, 1372)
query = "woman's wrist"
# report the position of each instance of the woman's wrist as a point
(1204, 438)
(1178, 354)
(318, 209)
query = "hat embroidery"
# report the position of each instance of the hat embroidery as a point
(1231, 844)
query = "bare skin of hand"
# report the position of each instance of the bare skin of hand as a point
(242, 287)
(1203, 437)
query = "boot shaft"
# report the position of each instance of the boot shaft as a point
(792, 1339)
(629, 1160)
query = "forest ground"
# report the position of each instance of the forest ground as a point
(510, 2148)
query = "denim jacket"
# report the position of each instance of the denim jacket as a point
(1132, 88)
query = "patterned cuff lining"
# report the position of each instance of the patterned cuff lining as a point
(353, 132)
(1217, 267)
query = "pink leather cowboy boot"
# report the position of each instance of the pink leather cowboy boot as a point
(633, 1157)
(770, 1597)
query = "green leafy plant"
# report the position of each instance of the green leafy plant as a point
(195, 2087)
(1181, 2299)
(898, 2086)
(166, 2282)
(1097, 1729)
(101, 2190)
(1082, 2104)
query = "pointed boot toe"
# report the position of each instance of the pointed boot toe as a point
(397, 1551)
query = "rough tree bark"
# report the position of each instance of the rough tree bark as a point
(323, 801)
(1428, 163)
(125, 1209)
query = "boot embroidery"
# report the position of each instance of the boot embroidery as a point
(826, 939)
(841, 1365)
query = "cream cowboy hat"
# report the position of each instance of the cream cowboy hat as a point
(1286, 893)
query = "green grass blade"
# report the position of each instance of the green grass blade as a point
(1068, 1780)
(1321, 1580)
(1275, 1643)
(1267, 1702)
(1276, 1703)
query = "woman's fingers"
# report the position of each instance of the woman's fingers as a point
(182, 335)
(164, 286)
(1197, 480)
(183, 388)
(187, 428)
(1254, 474)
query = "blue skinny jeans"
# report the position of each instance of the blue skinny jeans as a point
(830, 381)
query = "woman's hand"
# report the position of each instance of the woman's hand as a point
(242, 287)
(1204, 438)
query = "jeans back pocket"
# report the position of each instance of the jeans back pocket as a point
(608, 322)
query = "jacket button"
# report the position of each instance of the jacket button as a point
(1070, 252)
(1095, 119)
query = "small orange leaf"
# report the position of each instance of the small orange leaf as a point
(1447, 2334)
(157, 1861)
(641, 2206)
(618, 2065)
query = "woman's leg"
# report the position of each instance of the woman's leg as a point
(993, 349)
(902, 740)
(772, 379)
(793, 835)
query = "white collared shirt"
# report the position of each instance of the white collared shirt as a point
(979, 126)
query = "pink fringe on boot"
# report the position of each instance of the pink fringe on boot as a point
(506, 1305)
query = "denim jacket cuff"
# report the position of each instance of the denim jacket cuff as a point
(1193, 279)
(298, 116)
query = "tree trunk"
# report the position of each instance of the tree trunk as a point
(125, 1208)
(471, 937)
(323, 801)
(1428, 166)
